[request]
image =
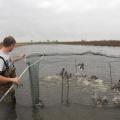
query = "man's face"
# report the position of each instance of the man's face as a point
(11, 48)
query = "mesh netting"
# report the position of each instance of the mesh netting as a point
(74, 78)
(34, 61)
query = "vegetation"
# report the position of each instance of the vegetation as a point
(83, 42)
(94, 43)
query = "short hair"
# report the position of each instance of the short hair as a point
(8, 41)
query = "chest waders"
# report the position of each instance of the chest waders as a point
(9, 72)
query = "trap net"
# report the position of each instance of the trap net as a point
(34, 78)
(86, 78)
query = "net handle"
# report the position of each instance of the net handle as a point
(13, 85)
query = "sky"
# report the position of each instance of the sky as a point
(63, 20)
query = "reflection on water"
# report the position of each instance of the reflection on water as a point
(76, 112)
(7, 112)
(36, 114)
(58, 112)
(12, 115)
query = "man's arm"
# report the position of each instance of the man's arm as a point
(6, 79)
(19, 57)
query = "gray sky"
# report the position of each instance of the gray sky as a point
(60, 19)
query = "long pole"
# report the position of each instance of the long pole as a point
(67, 90)
(76, 69)
(110, 74)
(62, 91)
(13, 85)
(75, 66)
(62, 74)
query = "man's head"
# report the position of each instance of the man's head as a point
(9, 43)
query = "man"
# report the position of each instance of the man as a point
(7, 69)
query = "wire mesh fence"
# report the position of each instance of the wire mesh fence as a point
(87, 79)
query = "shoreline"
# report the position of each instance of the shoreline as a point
(110, 43)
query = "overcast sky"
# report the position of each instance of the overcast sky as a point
(60, 19)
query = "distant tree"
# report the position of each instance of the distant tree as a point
(48, 41)
(83, 40)
(39, 41)
(31, 41)
(56, 41)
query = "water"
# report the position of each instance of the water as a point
(50, 92)
(67, 49)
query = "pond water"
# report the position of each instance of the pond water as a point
(80, 108)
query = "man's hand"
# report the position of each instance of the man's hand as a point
(21, 56)
(15, 80)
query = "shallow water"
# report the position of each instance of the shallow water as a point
(80, 107)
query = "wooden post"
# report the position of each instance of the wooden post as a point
(110, 74)
(67, 77)
(62, 75)
(75, 66)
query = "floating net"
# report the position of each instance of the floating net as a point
(86, 78)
